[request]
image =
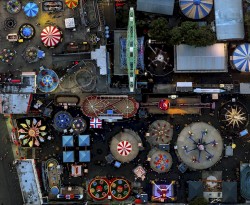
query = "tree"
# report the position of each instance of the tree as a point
(159, 30)
(190, 33)
(199, 201)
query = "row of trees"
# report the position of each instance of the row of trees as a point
(187, 33)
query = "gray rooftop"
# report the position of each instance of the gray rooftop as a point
(195, 189)
(229, 19)
(190, 59)
(29, 182)
(160, 6)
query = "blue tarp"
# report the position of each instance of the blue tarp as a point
(84, 156)
(83, 140)
(67, 141)
(68, 156)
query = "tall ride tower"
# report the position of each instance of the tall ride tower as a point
(131, 49)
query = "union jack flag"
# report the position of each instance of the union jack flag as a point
(95, 123)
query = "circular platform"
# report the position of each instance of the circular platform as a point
(79, 125)
(62, 120)
(120, 189)
(47, 80)
(98, 188)
(160, 132)
(199, 145)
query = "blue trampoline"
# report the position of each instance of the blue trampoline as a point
(68, 156)
(47, 80)
(196, 9)
(241, 57)
(62, 120)
(31, 9)
(83, 140)
(67, 141)
(84, 156)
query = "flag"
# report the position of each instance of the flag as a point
(95, 123)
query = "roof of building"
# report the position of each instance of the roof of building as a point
(190, 59)
(67, 141)
(100, 55)
(160, 6)
(229, 19)
(195, 189)
(83, 140)
(229, 192)
(29, 181)
(84, 156)
(15, 103)
(68, 156)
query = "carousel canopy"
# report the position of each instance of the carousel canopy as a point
(84, 156)
(124, 146)
(160, 132)
(47, 80)
(67, 141)
(51, 36)
(68, 156)
(83, 140)
(71, 3)
(160, 161)
(62, 120)
(31, 9)
(241, 57)
(196, 9)
(199, 145)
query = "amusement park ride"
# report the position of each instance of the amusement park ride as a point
(131, 49)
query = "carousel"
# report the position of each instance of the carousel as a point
(33, 54)
(7, 55)
(160, 132)
(120, 189)
(79, 125)
(27, 31)
(51, 36)
(31, 131)
(62, 121)
(199, 145)
(233, 115)
(125, 146)
(241, 57)
(13, 6)
(98, 188)
(47, 80)
(160, 161)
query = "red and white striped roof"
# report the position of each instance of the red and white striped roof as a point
(124, 148)
(51, 36)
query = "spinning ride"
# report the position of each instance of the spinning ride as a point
(120, 189)
(98, 188)
(47, 80)
(62, 120)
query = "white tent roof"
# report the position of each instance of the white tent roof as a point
(229, 19)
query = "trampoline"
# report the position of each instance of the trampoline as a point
(245, 181)
(241, 57)
(62, 120)
(196, 9)
(47, 80)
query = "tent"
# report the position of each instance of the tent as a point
(84, 156)
(68, 156)
(51, 36)
(241, 57)
(196, 9)
(83, 140)
(67, 141)
(31, 9)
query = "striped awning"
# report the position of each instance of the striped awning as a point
(196, 9)
(241, 57)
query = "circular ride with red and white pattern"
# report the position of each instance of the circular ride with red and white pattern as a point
(51, 36)
(124, 148)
